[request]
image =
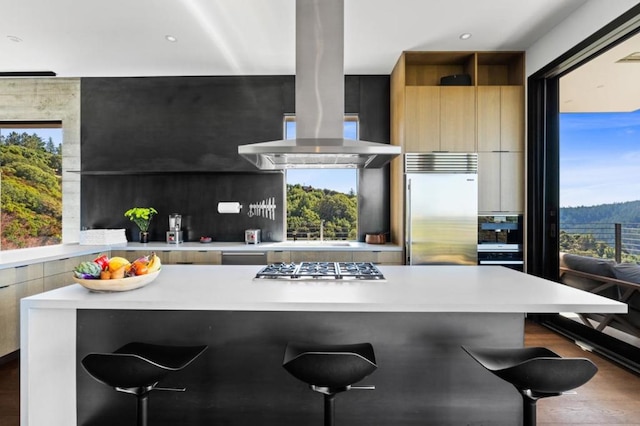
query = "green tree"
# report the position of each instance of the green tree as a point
(307, 207)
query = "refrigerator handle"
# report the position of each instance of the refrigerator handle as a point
(408, 238)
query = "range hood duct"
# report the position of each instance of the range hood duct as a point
(319, 101)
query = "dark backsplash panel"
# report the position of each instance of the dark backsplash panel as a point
(171, 143)
(195, 196)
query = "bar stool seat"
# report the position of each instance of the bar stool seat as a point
(330, 369)
(535, 372)
(136, 368)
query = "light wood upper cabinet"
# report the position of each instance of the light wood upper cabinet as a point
(440, 119)
(422, 121)
(458, 119)
(512, 118)
(500, 121)
(489, 118)
(500, 118)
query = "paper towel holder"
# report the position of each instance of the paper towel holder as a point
(231, 207)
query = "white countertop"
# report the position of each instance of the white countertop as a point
(406, 289)
(20, 257)
(286, 245)
(27, 256)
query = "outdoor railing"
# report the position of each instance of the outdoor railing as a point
(619, 241)
(312, 232)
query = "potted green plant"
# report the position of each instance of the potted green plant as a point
(142, 216)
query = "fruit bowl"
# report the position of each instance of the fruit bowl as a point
(119, 284)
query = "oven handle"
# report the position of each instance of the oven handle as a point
(501, 262)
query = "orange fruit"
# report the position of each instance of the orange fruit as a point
(140, 268)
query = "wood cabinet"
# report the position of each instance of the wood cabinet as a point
(500, 149)
(278, 256)
(17, 282)
(175, 257)
(440, 119)
(486, 116)
(374, 256)
(321, 256)
(500, 118)
(379, 257)
(422, 120)
(59, 273)
(500, 182)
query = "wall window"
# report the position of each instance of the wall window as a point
(322, 198)
(30, 184)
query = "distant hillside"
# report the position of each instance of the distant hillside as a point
(589, 231)
(627, 212)
(31, 192)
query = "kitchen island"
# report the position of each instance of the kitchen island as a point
(416, 320)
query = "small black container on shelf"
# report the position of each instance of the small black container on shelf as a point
(456, 80)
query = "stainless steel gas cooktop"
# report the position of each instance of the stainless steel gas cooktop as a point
(321, 270)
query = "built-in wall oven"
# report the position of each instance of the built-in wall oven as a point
(500, 241)
(509, 255)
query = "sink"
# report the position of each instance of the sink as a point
(292, 244)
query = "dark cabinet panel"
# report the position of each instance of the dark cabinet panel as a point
(179, 123)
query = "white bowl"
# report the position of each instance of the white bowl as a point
(121, 284)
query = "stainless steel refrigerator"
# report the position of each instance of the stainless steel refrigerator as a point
(441, 208)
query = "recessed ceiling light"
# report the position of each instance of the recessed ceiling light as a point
(465, 36)
(14, 38)
(171, 38)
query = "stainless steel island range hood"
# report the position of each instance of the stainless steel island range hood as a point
(319, 101)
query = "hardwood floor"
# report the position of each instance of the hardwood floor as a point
(612, 397)
(10, 393)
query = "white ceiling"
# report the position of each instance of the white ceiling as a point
(604, 84)
(83, 38)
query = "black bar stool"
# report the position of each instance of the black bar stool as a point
(535, 372)
(330, 369)
(136, 368)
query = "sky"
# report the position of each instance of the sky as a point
(45, 134)
(599, 158)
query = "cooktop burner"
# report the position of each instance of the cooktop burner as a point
(321, 270)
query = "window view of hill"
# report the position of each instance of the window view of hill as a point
(308, 206)
(590, 231)
(31, 191)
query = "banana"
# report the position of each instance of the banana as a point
(154, 263)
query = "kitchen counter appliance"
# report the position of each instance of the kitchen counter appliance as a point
(321, 271)
(174, 234)
(252, 236)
